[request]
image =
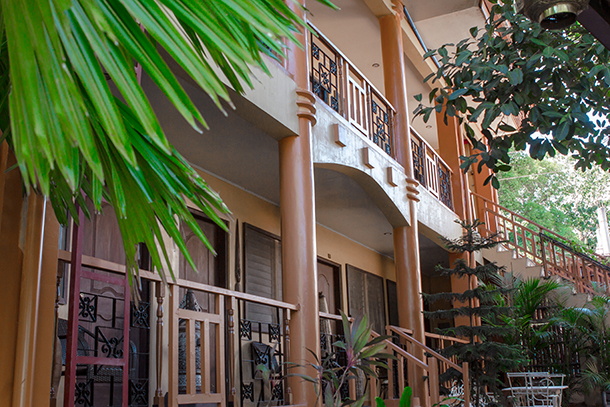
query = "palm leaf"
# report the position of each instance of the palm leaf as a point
(75, 137)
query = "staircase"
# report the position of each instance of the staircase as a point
(415, 358)
(532, 250)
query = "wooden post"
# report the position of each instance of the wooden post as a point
(174, 303)
(466, 380)
(433, 380)
(160, 294)
(231, 373)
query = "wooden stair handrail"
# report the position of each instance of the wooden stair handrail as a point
(534, 248)
(441, 337)
(540, 227)
(426, 349)
(403, 352)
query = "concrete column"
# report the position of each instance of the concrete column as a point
(297, 211)
(11, 206)
(487, 191)
(459, 285)
(406, 239)
(450, 144)
(46, 309)
(450, 141)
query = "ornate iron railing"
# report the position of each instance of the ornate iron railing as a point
(430, 170)
(337, 82)
(331, 331)
(542, 246)
(262, 345)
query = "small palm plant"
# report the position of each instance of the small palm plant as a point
(361, 356)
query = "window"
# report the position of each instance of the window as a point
(263, 271)
(366, 297)
(392, 303)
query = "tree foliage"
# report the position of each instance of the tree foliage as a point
(75, 138)
(556, 196)
(486, 354)
(545, 92)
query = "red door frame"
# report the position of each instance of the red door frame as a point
(72, 358)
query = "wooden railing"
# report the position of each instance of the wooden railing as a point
(337, 82)
(542, 246)
(405, 347)
(430, 170)
(257, 335)
(440, 342)
(208, 325)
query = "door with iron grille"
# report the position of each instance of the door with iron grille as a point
(105, 339)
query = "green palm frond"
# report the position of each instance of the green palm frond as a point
(75, 137)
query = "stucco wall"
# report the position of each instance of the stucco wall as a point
(435, 218)
(393, 200)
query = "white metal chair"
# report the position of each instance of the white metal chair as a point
(536, 389)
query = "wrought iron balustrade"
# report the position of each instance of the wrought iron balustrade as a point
(262, 346)
(430, 170)
(337, 82)
(331, 331)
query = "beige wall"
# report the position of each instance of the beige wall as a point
(248, 208)
(341, 250)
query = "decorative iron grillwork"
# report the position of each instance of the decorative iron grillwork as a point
(444, 181)
(381, 127)
(138, 392)
(83, 395)
(247, 392)
(418, 162)
(101, 335)
(140, 315)
(111, 346)
(324, 74)
(278, 392)
(261, 343)
(87, 308)
(245, 329)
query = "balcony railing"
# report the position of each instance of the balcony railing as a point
(430, 170)
(337, 82)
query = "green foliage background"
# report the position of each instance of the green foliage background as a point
(555, 195)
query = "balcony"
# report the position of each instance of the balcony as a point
(430, 170)
(339, 84)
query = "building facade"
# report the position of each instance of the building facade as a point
(338, 199)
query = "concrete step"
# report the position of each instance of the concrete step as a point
(504, 256)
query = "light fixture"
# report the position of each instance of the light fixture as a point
(375, 65)
(552, 14)
(428, 126)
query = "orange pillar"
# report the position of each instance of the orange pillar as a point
(46, 310)
(25, 351)
(297, 211)
(406, 239)
(450, 141)
(29, 269)
(450, 144)
(488, 192)
(11, 204)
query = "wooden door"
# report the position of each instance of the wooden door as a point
(329, 287)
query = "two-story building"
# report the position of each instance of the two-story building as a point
(338, 197)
